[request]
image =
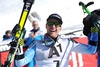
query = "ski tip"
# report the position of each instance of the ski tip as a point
(89, 3)
(81, 3)
(29, 1)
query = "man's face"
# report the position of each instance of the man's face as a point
(9, 34)
(53, 27)
(35, 25)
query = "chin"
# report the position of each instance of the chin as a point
(52, 34)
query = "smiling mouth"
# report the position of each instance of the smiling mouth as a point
(52, 30)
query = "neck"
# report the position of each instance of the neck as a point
(35, 30)
(54, 38)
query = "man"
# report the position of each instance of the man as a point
(7, 35)
(53, 50)
(34, 33)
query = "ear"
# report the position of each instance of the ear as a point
(46, 26)
(60, 28)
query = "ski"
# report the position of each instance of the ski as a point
(19, 32)
(84, 7)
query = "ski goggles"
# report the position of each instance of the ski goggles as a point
(57, 24)
(49, 42)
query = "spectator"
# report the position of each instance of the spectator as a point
(35, 34)
(7, 35)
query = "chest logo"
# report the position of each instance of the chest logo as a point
(53, 51)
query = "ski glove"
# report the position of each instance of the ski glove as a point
(19, 54)
(90, 21)
(93, 36)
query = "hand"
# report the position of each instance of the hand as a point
(13, 44)
(32, 35)
(93, 36)
(19, 54)
(90, 21)
(87, 25)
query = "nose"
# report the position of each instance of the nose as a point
(53, 25)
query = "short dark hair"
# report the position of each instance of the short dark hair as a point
(8, 31)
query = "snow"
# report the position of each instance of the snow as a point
(70, 11)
